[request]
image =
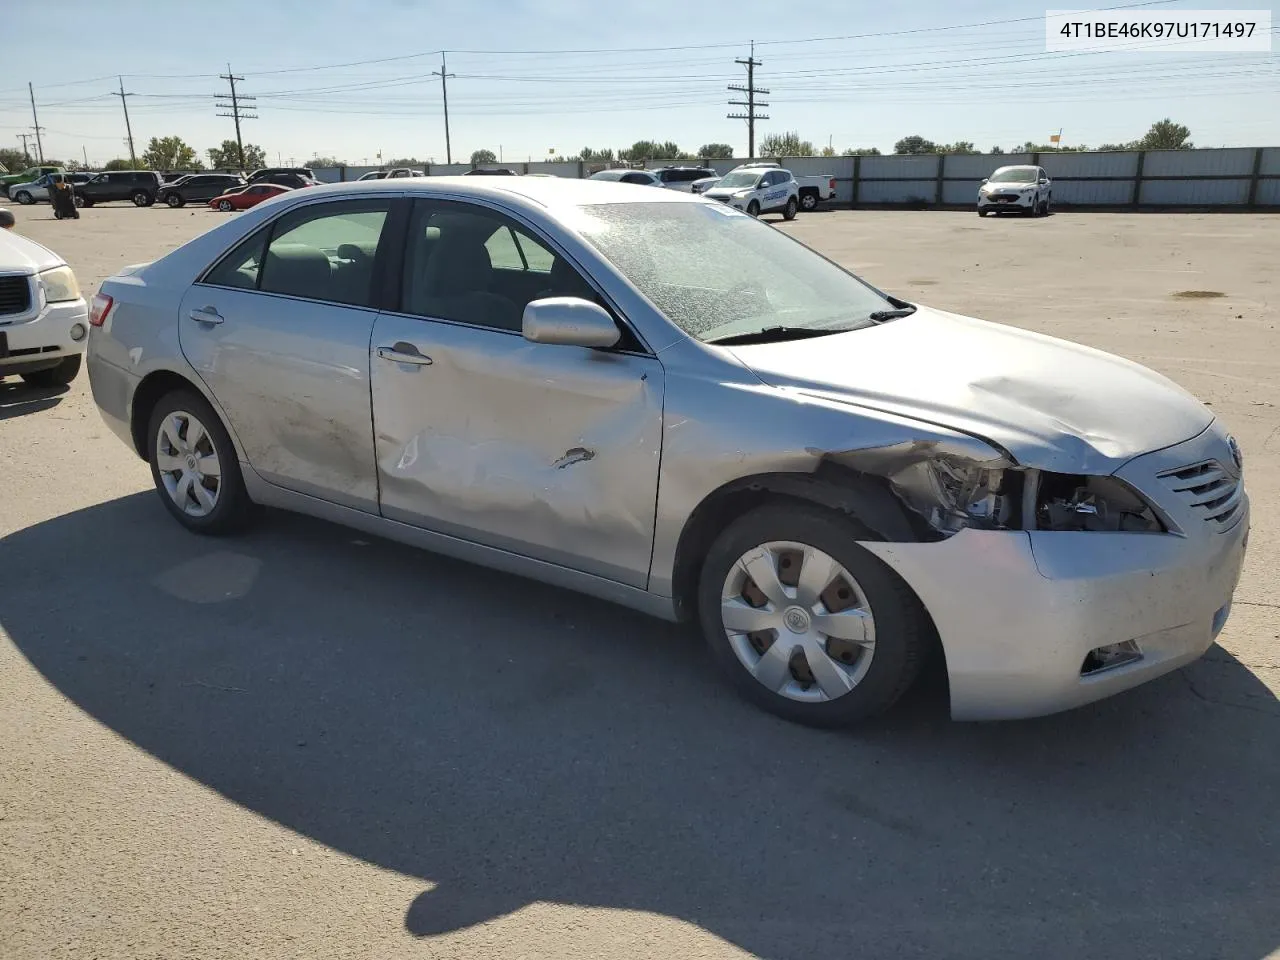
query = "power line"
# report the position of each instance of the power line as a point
(750, 103)
(234, 107)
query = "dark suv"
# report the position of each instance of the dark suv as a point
(268, 171)
(681, 178)
(140, 186)
(198, 188)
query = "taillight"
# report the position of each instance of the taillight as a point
(833, 184)
(99, 307)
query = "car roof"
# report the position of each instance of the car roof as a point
(549, 193)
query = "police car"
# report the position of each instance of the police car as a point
(757, 190)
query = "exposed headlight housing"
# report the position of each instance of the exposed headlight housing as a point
(59, 285)
(952, 493)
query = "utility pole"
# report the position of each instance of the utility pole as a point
(237, 111)
(751, 102)
(85, 152)
(444, 75)
(35, 122)
(26, 154)
(133, 157)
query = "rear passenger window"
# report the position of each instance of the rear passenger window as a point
(325, 252)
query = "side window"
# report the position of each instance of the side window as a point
(474, 266)
(240, 267)
(325, 252)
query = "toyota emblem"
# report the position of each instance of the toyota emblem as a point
(1236, 455)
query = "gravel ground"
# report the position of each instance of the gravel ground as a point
(303, 743)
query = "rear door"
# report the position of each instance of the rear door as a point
(546, 451)
(279, 332)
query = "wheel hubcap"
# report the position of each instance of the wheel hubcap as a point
(188, 464)
(798, 621)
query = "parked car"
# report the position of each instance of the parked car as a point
(267, 171)
(682, 178)
(758, 190)
(811, 190)
(44, 322)
(138, 186)
(198, 188)
(705, 184)
(37, 190)
(242, 198)
(490, 172)
(624, 175)
(704, 420)
(1026, 189)
(294, 181)
(28, 175)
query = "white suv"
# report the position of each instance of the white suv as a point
(758, 190)
(1026, 189)
(43, 318)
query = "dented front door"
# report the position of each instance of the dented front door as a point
(548, 451)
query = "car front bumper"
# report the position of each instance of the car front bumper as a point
(1013, 203)
(1018, 612)
(40, 341)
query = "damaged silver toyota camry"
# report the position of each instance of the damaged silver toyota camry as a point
(652, 398)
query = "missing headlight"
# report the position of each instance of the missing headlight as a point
(952, 494)
(1080, 503)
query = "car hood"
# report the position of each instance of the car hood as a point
(1008, 186)
(725, 191)
(20, 255)
(1051, 404)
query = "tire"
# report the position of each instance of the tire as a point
(982, 213)
(224, 206)
(174, 200)
(58, 376)
(84, 201)
(141, 199)
(789, 211)
(24, 198)
(79, 201)
(753, 208)
(231, 507)
(893, 618)
(808, 202)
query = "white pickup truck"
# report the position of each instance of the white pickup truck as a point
(810, 191)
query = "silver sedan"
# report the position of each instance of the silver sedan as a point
(656, 399)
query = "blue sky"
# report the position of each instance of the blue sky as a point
(540, 75)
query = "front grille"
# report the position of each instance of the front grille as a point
(1210, 491)
(1004, 198)
(15, 295)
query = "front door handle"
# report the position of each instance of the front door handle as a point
(206, 315)
(403, 353)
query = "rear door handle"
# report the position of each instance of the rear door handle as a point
(206, 315)
(403, 353)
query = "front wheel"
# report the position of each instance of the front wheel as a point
(808, 202)
(58, 376)
(753, 208)
(174, 201)
(78, 200)
(194, 465)
(982, 213)
(224, 206)
(24, 198)
(789, 211)
(804, 622)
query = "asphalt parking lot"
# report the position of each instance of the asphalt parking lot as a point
(306, 743)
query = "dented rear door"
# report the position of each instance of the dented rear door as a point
(548, 451)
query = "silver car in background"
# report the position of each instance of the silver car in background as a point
(659, 400)
(1021, 188)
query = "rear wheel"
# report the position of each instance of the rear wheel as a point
(24, 198)
(58, 376)
(174, 200)
(194, 465)
(803, 621)
(789, 211)
(808, 201)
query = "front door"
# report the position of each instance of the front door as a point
(547, 451)
(279, 332)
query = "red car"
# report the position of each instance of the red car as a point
(242, 198)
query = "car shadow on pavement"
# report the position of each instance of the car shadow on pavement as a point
(18, 399)
(508, 743)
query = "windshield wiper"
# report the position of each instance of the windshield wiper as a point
(880, 316)
(774, 334)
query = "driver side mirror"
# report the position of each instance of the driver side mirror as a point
(985, 179)
(570, 322)
(1044, 179)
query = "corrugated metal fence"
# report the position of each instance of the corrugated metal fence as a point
(1238, 178)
